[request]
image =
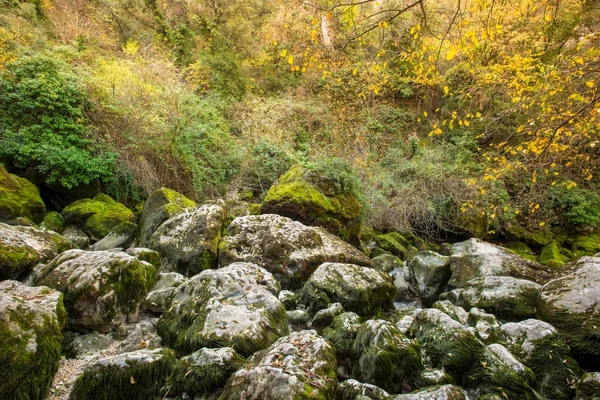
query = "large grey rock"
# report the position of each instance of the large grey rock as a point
(161, 205)
(429, 274)
(289, 250)
(189, 241)
(506, 297)
(136, 375)
(203, 372)
(324, 317)
(405, 292)
(359, 289)
(385, 357)
(342, 334)
(572, 305)
(443, 392)
(121, 236)
(299, 366)
(103, 289)
(235, 306)
(539, 346)
(350, 389)
(77, 236)
(31, 322)
(477, 259)
(160, 297)
(486, 325)
(22, 247)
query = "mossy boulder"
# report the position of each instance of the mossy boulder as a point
(324, 317)
(385, 357)
(342, 333)
(351, 389)
(486, 325)
(455, 312)
(22, 247)
(77, 236)
(588, 387)
(189, 242)
(552, 256)
(97, 216)
(296, 196)
(53, 221)
(446, 392)
(288, 249)
(360, 289)
(477, 259)
(538, 238)
(585, 244)
(161, 205)
(18, 197)
(204, 371)
(571, 304)
(300, 366)
(520, 249)
(137, 375)
(386, 263)
(429, 273)
(447, 343)
(121, 236)
(390, 243)
(31, 323)
(235, 306)
(433, 377)
(160, 296)
(103, 289)
(508, 298)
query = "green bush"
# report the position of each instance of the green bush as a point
(267, 162)
(581, 206)
(336, 174)
(43, 124)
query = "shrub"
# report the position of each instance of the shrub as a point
(266, 163)
(581, 206)
(43, 125)
(336, 174)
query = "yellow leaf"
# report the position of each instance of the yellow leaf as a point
(290, 59)
(590, 83)
(542, 223)
(451, 54)
(132, 380)
(283, 53)
(354, 71)
(446, 90)
(521, 129)
(517, 212)
(467, 123)
(548, 18)
(478, 114)
(425, 113)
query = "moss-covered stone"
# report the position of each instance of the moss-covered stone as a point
(161, 205)
(455, 312)
(159, 298)
(323, 318)
(351, 389)
(385, 357)
(204, 371)
(520, 249)
(296, 197)
(234, 306)
(390, 244)
(552, 256)
(359, 289)
(18, 197)
(102, 289)
(447, 343)
(446, 392)
(189, 241)
(433, 377)
(538, 238)
(138, 375)
(538, 345)
(53, 221)
(585, 245)
(97, 216)
(429, 275)
(31, 322)
(301, 366)
(588, 387)
(572, 305)
(342, 333)
(486, 325)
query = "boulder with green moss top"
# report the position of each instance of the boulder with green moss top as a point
(97, 216)
(204, 371)
(429, 274)
(342, 333)
(350, 389)
(538, 345)
(538, 238)
(138, 375)
(571, 304)
(477, 259)
(161, 205)
(506, 297)
(486, 325)
(53, 221)
(323, 318)
(585, 244)
(31, 323)
(360, 289)
(288, 249)
(455, 312)
(385, 357)
(552, 256)
(147, 255)
(443, 392)
(433, 377)
(22, 247)
(386, 262)
(103, 289)
(511, 362)
(121, 236)
(390, 244)
(496, 373)
(233, 306)
(405, 292)
(160, 296)
(189, 241)
(18, 197)
(588, 387)
(296, 196)
(77, 236)
(447, 343)
(299, 320)
(299, 366)
(520, 249)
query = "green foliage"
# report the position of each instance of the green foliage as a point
(42, 123)
(268, 161)
(336, 174)
(581, 206)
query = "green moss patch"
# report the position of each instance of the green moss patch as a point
(18, 197)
